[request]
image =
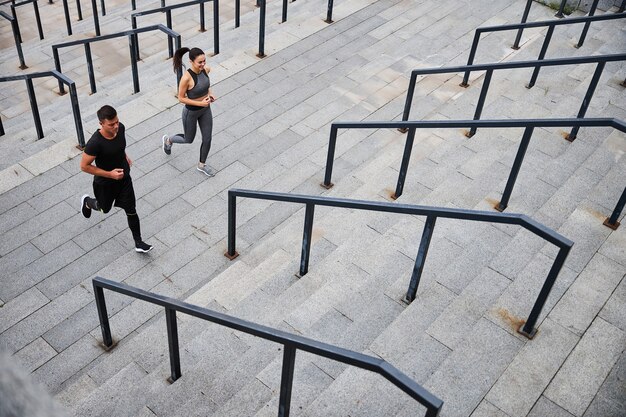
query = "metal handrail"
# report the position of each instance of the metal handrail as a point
(527, 124)
(550, 24)
(431, 213)
(16, 37)
(600, 60)
(168, 13)
(329, 11)
(560, 15)
(14, 5)
(35, 108)
(94, 9)
(291, 343)
(132, 46)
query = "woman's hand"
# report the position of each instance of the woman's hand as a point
(212, 97)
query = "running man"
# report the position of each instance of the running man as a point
(111, 183)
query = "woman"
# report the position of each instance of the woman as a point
(194, 93)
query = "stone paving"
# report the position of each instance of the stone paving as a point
(272, 123)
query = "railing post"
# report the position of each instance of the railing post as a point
(103, 7)
(286, 380)
(237, 12)
(92, 78)
(172, 339)
(168, 19)
(306, 239)
(481, 101)
(17, 24)
(57, 66)
(261, 53)
(216, 27)
(409, 100)
(133, 62)
(38, 19)
(34, 107)
(583, 35)
(588, 96)
(284, 16)
(542, 54)
(201, 11)
(329, 12)
(1, 128)
(427, 234)
(133, 21)
(330, 157)
(528, 329)
(612, 222)
(559, 14)
(517, 164)
(66, 12)
(133, 4)
(470, 60)
(98, 291)
(622, 7)
(77, 120)
(404, 167)
(18, 46)
(79, 10)
(524, 18)
(179, 71)
(231, 253)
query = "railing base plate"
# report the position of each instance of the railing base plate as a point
(499, 207)
(515, 47)
(328, 21)
(613, 226)
(464, 85)
(530, 335)
(403, 129)
(108, 348)
(261, 55)
(569, 138)
(328, 187)
(231, 257)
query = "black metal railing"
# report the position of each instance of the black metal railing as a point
(411, 126)
(599, 60)
(431, 213)
(329, 11)
(133, 4)
(15, 5)
(544, 48)
(168, 13)
(16, 37)
(28, 78)
(134, 57)
(94, 9)
(559, 14)
(291, 344)
(261, 4)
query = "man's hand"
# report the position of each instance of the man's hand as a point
(116, 174)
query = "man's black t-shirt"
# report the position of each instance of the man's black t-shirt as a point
(109, 153)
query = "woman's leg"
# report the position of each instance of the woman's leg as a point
(206, 128)
(190, 120)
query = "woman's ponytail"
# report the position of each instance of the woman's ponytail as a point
(178, 58)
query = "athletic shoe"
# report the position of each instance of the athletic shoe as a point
(206, 170)
(142, 247)
(167, 148)
(86, 210)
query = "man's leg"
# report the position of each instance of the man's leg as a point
(126, 200)
(103, 201)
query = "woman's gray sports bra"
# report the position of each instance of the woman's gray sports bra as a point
(200, 88)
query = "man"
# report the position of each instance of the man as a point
(112, 182)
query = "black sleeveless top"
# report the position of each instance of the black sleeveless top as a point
(201, 84)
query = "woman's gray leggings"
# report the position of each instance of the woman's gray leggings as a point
(192, 118)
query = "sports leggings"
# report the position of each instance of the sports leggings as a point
(192, 118)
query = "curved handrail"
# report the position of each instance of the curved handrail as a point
(168, 14)
(16, 37)
(291, 343)
(600, 60)
(131, 34)
(549, 23)
(431, 213)
(33, 101)
(527, 124)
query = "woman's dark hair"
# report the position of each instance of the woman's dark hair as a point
(106, 112)
(178, 56)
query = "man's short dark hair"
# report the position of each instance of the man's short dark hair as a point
(106, 112)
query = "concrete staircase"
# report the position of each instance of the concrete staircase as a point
(271, 129)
